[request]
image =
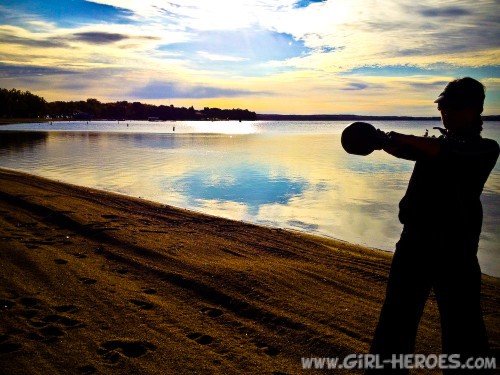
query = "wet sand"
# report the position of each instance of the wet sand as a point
(94, 282)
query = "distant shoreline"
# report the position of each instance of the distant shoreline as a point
(278, 117)
(263, 117)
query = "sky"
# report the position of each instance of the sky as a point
(367, 57)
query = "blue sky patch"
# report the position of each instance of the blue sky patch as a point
(255, 45)
(67, 12)
(239, 52)
(438, 70)
(387, 71)
(306, 3)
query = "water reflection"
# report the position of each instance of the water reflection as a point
(300, 179)
(252, 185)
(16, 142)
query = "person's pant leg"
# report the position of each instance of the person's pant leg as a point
(458, 291)
(407, 291)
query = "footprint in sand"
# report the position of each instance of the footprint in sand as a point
(267, 349)
(142, 304)
(4, 338)
(51, 331)
(87, 369)
(148, 291)
(60, 261)
(29, 313)
(110, 216)
(30, 302)
(113, 350)
(5, 304)
(9, 347)
(68, 322)
(87, 281)
(99, 250)
(34, 336)
(66, 308)
(39, 324)
(211, 312)
(200, 338)
(62, 320)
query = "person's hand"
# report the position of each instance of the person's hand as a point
(382, 140)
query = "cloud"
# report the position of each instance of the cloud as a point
(9, 70)
(429, 85)
(12, 39)
(203, 15)
(437, 70)
(388, 70)
(355, 86)
(103, 37)
(96, 37)
(351, 33)
(57, 38)
(385, 32)
(18, 36)
(172, 90)
(452, 11)
(215, 57)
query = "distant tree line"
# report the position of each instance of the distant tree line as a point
(18, 104)
(23, 104)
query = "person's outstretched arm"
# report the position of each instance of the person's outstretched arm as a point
(411, 147)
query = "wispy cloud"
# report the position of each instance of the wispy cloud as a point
(355, 86)
(215, 57)
(173, 90)
(445, 12)
(8, 70)
(18, 36)
(96, 37)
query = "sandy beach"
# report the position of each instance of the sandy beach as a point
(95, 282)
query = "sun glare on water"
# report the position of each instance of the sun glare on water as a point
(221, 127)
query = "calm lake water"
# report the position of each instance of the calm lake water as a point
(285, 174)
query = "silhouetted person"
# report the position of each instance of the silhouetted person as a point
(442, 217)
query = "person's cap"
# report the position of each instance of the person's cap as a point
(461, 93)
